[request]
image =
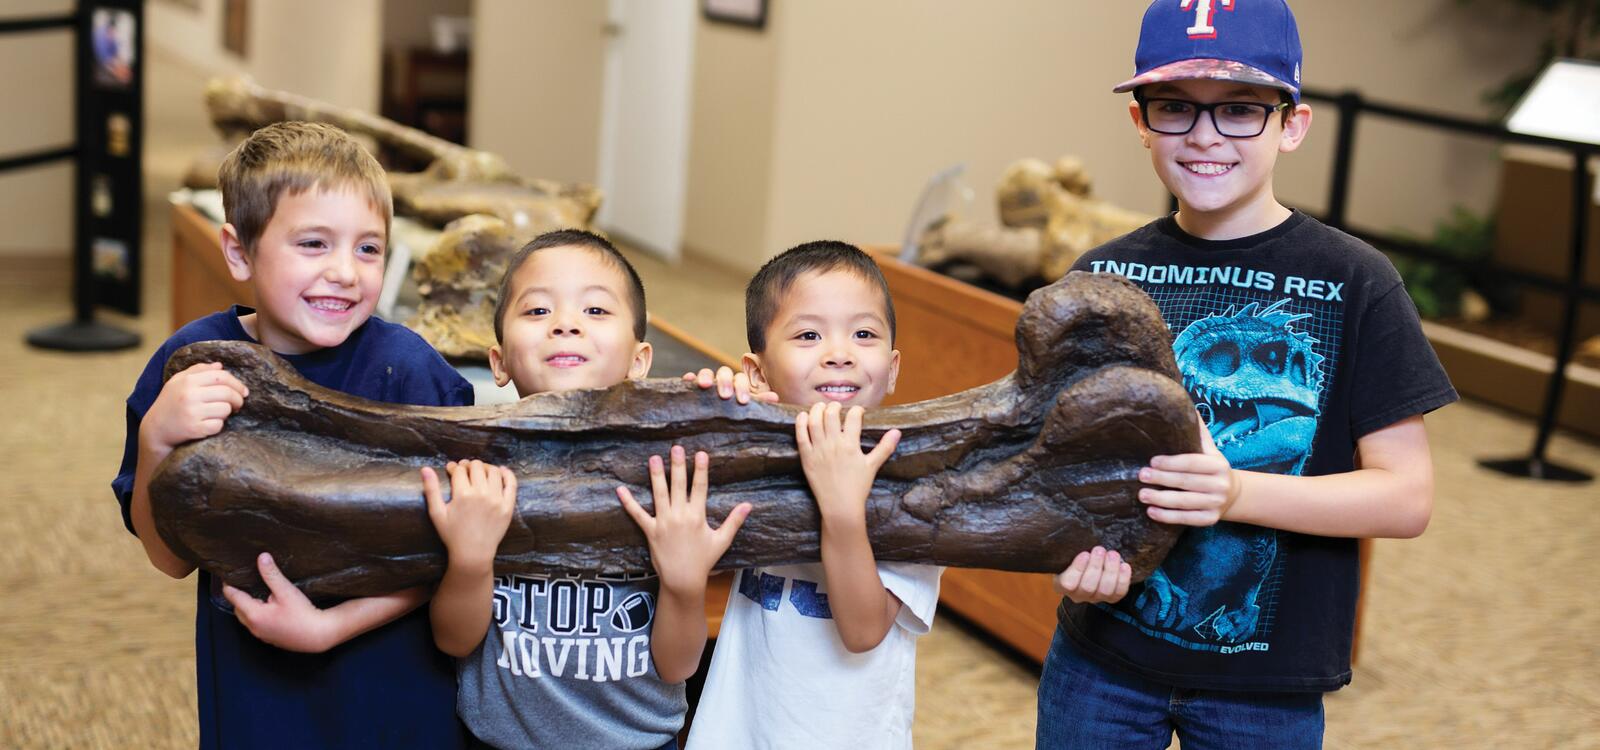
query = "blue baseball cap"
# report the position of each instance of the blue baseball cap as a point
(1249, 41)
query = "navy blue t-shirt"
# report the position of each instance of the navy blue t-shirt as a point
(386, 688)
(1294, 344)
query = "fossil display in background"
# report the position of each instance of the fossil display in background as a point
(1020, 474)
(1048, 218)
(459, 276)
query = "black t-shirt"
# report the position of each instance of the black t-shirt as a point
(1293, 343)
(389, 687)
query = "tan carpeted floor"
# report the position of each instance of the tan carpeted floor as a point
(1482, 633)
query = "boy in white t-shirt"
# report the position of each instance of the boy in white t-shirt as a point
(822, 655)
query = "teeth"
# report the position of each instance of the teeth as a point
(325, 303)
(1207, 168)
(837, 388)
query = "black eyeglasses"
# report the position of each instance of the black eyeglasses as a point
(1231, 119)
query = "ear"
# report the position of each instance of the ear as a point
(894, 370)
(497, 365)
(751, 363)
(640, 366)
(1295, 130)
(1138, 122)
(234, 254)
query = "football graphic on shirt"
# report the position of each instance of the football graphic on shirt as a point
(633, 613)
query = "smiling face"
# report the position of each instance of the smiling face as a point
(829, 341)
(567, 325)
(1223, 185)
(316, 270)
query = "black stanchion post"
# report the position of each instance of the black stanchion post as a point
(1536, 466)
(1349, 104)
(83, 332)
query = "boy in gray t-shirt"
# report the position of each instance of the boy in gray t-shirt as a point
(561, 660)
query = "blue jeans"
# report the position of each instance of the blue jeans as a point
(1084, 706)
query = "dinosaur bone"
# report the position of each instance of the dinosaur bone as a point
(1020, 474)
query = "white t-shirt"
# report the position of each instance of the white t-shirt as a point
(781, 677)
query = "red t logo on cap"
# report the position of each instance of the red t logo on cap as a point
(1204, 10)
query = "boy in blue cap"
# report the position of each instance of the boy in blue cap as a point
(1308, 367)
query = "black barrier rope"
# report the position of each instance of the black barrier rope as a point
(1351, 107)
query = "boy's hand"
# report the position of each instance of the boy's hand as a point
(1095, 576)
(1200, 487)
(840, 475)
(730, 385)
(193, 404)
(287, 619)
(472, 524)
(683, 547)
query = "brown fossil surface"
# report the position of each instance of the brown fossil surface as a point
(1020, 474)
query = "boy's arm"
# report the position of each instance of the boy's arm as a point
(683, 548)
(471, 525)
(841, 477)
(1389, 494)
(288, 620)
(192, 404)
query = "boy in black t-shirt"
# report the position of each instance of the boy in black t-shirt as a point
(1310, 373)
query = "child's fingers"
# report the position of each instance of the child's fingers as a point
(431, 494)
(722, 538)
(884, 449)
(1179, 500)
(702, 479)
(705, 378)
(1189, 463)
(276, 582)
(1109, 574)
(725, 382)
(509, 484)
(766, 397)
(679, 478)
(1176, 479)
(852, 423)
(1182, 517)
(802, 432)
(1091, 571)
(1124, 580)
(817, 423)
(645, 521)
(741, 388)
(243, 604)
(220, 393)
(477, 473)
(1068, 580)
(832, 419)
(658, 483)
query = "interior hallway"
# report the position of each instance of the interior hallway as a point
(1482, 633)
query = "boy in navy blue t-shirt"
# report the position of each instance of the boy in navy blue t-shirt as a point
(308, 214)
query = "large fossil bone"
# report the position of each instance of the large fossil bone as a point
(1020, 474)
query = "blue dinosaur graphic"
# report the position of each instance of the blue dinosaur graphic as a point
(1257, 384)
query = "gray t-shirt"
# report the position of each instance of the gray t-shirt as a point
(566, 663)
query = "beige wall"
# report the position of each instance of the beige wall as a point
(325, 50)
(867, 100)
(36, 203)
(536, 72)
(731, 138)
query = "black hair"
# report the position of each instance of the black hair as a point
(572, 238)
(774, 279)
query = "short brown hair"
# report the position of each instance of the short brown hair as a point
(573, 238)
(294, 157)
(774, 279)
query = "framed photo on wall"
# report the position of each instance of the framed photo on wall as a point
(236, 26)
(751, 13)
